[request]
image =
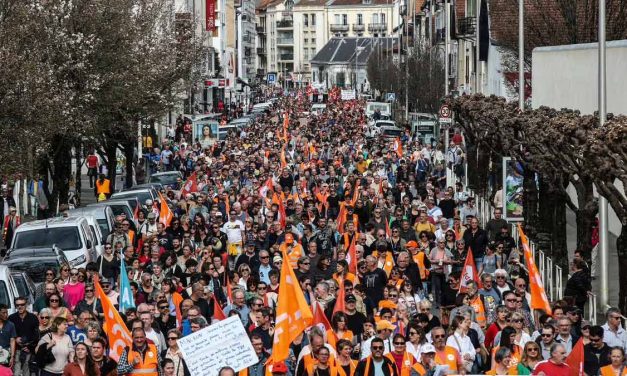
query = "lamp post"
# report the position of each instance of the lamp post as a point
(603, 206)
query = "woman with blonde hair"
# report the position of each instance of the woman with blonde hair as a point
(531, 356)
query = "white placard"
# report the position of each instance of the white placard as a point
(224, 343)
(348, 95)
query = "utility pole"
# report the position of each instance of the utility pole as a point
(447, 37)
(477, 50)
(521, 55)
(603, 206)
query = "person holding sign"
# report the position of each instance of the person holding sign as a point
(142, 358)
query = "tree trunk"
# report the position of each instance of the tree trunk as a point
(112, 161)
(62, 161)
(530, 201)
(78, 155)
(129, 154)
(559, 248)
(585, 216)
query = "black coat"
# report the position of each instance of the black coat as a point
(578, 286)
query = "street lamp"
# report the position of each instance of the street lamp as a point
(603, 206)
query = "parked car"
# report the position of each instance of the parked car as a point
(122, 206)
(142, 194)
(35, 261)
(13, 284)
(73, 235)
(104, 216)
(168, 178)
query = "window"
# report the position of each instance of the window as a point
(337, 18)
(375, 18)
(306, 40)
(313, 19)
(306, 53)
(344, 19)
(382, 18)
(306, 20)
(360, 19)
(313, 40)
(66, 238)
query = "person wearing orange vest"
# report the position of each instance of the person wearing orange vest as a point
(293, 250)
(141, 359)
(446, 355)
(475, 301)
(617, 367)
(403, 359)
(421, 259)
(325, 366)
(427, 361)
(103, 186)
(366, 367)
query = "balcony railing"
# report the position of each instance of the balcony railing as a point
(359, 27)
(289, 41)
(260, 29)
(377, 27)
(261, 51)
(286, 57)
(261, 72)
(285, 24)
(339, 27)
(466, 26)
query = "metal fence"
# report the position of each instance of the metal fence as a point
(552, 274)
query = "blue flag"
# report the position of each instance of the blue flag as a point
(125, 299)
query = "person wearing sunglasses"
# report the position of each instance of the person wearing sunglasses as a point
(173, 352)
(403, 359)
(25, 324)
(376, 360)
(530, 358)
(74, 290)
(55, 304)
(446, 355)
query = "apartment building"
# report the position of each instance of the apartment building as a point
(294, 32)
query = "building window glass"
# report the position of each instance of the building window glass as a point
(313, 19)
(360, 19)
(305, 20)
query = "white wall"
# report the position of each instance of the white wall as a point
(566, 77)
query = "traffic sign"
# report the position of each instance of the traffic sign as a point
(271, 78)
(445, 111)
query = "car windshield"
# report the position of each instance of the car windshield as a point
(142, 196)
(66, 238)
(392, 132)
(104, 227)
(4, 294)
(35, 269)
(164, 179)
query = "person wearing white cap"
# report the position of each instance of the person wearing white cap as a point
(427, 361)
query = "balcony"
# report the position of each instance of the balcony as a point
(466, 26)
(260, 29)
(374, 27)
(261, 72)
(286, 57)
(261, 51)
(359, 27)
(285, 41)
(338, 27)
(285, 24)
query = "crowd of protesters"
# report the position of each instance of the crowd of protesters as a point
(310, 190)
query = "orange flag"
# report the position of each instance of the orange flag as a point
(340, 304)
(165, 214)
(114, 326)
(341, 218)
(469, 273)
(575, 359)
(177, 299)
(319, 318)
(293, 315)
(352, 255)
(398, 147)
(218, 313)
(283, 160)
(539, 300)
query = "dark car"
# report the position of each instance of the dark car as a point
(35, 261)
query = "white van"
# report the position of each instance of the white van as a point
(72, 235)
(13, 284)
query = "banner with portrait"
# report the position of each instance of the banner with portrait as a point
(512, 189)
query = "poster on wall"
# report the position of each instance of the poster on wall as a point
(512, 189)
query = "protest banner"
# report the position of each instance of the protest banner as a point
(224, 343)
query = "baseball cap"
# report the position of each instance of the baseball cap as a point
(279, 367)
(350, 298)
(385, 325)
(427, 348)
(411, 244)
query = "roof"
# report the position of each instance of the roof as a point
(311, 3)
(343, 50)
(264, 4)
(52, 222)
(361, 2)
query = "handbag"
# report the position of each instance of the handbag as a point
(44, 355)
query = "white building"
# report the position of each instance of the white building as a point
(310, 35)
